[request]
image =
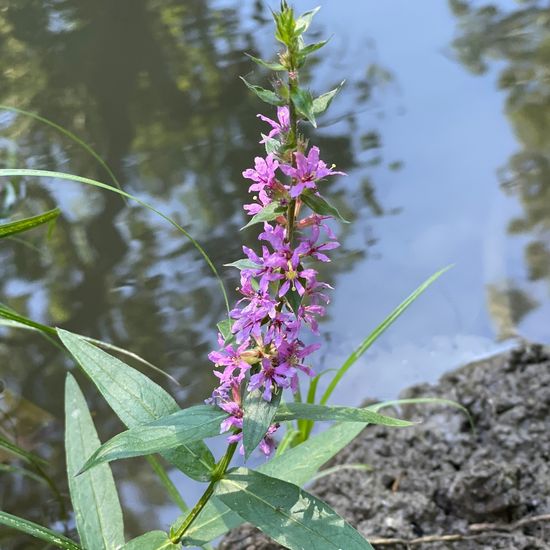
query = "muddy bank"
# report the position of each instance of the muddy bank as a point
(438, 479)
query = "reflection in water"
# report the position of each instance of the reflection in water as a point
(154, 87)
(520, 39)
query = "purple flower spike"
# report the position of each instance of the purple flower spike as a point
(263, 173)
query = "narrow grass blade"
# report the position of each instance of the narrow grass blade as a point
(98, 514)
(168, 484)
(94, 183)
(38, 531)
(373, 336)
(286, 513)
(26, 224)
(17, 451)
(68, 134)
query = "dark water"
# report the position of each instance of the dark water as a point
(443, 128)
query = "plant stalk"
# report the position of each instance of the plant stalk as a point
(217, 474)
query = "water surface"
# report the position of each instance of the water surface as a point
(442, 128)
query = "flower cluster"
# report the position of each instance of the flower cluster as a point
(280, 293)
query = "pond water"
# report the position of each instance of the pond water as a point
(443, 127)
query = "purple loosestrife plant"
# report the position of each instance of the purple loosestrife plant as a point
(261, 353)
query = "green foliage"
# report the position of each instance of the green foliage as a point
(267, 96)
(258, 416)
(288, 514)
(308, 411)
(270, 212)
(98, 514)
(154, 540)
(19, 226)
(321, 206)
(136, 400)
(182, 428)
(38, 531)
(303, 101)
(322, 103)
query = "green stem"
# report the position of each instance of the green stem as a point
(217, 474)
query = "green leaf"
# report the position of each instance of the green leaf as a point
(154, 540)
(225, 327)
(294, 300)
(309, 411)
(181, 428)
(268, 213)
(14, 449)
(98, 514)
(274, 66)
(322, 103)
(425, 401)
(245, 263)
(380, 329)
(304, 104)
(310, 48)
(258, 416)
(268, 96)
(286, 513)
(9, 469)
(272, 146)
(304, 21)
(8, 229)
(297, 465)
(321, 206)
(136, 400)
(93, 183)
(37, 531)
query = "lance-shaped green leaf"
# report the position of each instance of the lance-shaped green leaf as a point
(258, 416)
(268, 213)
(286, 513)
(303, 101)
(268, 96)
(322, 103)
(310, 411)
(19, 226)
(272, 65)
(136, 400)
(373, 336)
(321, 206)
(98, 514)
(38, 531)
(154, 540)
(181, 428)
(297, 465)
(304, 21)
(311, 48)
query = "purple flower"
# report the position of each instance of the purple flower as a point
(263, 173)
(316, 251)
(308, 170)
(280, 127)
(267, 444)
(270, 374)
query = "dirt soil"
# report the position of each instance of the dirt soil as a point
(485, 491)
